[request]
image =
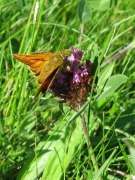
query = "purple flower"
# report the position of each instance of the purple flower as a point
(72, 84)
(76, 77)
(76, 56)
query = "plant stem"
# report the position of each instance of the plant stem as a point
(89, 144)
(81, 33)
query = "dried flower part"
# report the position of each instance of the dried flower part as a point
(72, 84)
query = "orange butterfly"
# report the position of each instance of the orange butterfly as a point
(44, 65)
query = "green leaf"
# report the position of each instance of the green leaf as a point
(105, 74)
(63, 153)
(84, 11)
(54, 155)
(103, 167)
(1, 127)
(101, 5)
(131, 148)
(85, 8)
(113, 83)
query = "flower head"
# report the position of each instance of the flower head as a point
(73, 82)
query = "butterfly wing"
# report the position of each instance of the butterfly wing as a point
(47, 83)
(34, 61)
(44, 65)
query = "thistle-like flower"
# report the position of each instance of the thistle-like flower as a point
(73, 82)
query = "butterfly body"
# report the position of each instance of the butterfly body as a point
(44, 65)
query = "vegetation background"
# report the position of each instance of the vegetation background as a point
(40, 138)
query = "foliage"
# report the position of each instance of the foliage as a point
(40, 138)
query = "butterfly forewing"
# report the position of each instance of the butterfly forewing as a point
(34, 61)
(44, 65)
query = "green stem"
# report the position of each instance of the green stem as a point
(89, 144)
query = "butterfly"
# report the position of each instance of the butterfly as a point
(44, 65)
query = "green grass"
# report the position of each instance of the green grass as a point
(38, 140)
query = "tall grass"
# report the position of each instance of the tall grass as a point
(41, 138)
